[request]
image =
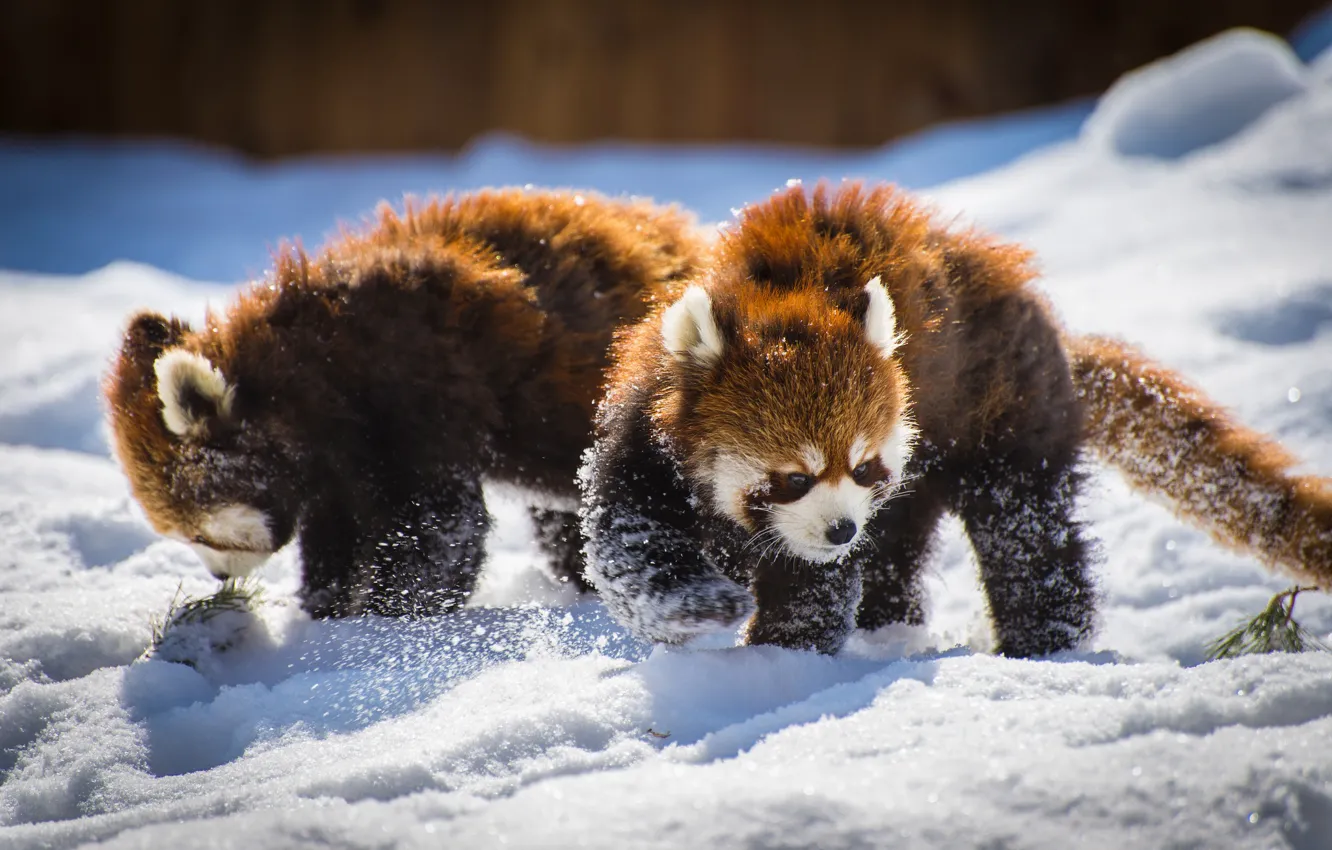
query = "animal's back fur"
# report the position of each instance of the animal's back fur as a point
(979, 375)
(1001, 401)
(377, 382)
(471, 327)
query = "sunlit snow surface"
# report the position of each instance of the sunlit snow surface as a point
(541, 725)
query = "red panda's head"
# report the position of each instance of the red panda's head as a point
(199, 475)
(792, 413)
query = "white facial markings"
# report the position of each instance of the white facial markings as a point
(896, 450)
(230, 563)
(689, 330)
(734, 478)
(860, 452)
(813, 459)
(238, 527)
(179, 370)
(804, 523)
(237, 540)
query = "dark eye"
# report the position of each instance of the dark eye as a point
(798, 482)
(199, 538)
(869, 472)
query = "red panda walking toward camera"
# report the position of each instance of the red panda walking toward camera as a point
(779, 444)
(357, 399)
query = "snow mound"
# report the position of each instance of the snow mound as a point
(1312, 38)
(1198, 97)
(1286, 151)
(543, 723)
(1320, 70)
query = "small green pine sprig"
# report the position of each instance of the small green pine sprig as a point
(236, 595)
(1274, 630)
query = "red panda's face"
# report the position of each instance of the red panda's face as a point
(199, 476)
(799, 424)
(813, 500)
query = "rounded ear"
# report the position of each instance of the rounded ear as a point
(149, 334)
(689, 330)
(149, 330)
(880, 318)
(196, 398)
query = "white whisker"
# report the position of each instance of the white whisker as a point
(761, 537)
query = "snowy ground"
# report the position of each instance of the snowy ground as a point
(1192, 215)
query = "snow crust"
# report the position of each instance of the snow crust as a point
(543, 724)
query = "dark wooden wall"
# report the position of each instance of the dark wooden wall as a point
(277, 77)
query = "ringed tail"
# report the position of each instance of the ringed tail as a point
(1170, 440)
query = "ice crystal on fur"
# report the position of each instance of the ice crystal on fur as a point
(1210, 469)
(728, 452)
(670, 604)
(369, 388)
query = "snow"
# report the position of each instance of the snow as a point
(1205, 95)
(73, 206)
(541, 723)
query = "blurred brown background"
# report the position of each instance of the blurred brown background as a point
(277, 77)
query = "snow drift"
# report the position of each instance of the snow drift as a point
(541, 723)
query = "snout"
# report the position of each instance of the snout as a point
(230, 563)
(840, 532)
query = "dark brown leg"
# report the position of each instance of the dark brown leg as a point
(802, 605)
(1034, 560)
(894, 557)
(328, 542)
(558, 534)
(429, 558)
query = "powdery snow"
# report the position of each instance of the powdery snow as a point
(542, 723)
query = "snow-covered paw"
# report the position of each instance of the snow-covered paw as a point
(713, 605)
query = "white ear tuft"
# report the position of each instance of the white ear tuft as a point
(880, 320)
(689, 329)
(192, 392)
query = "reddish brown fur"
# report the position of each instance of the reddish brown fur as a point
(770, 275)
(462, 338)
(139, 437)
(1168, 438)
(861, 233)
(1003, 416)
(747, 406)
(787, 287)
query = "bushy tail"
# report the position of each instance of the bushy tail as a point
(1172, 441)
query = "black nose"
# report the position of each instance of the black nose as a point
(840, 532)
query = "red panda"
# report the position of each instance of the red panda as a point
(357, 398)
(776, 447)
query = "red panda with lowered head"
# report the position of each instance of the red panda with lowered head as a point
(357, 399)
(777, 446)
